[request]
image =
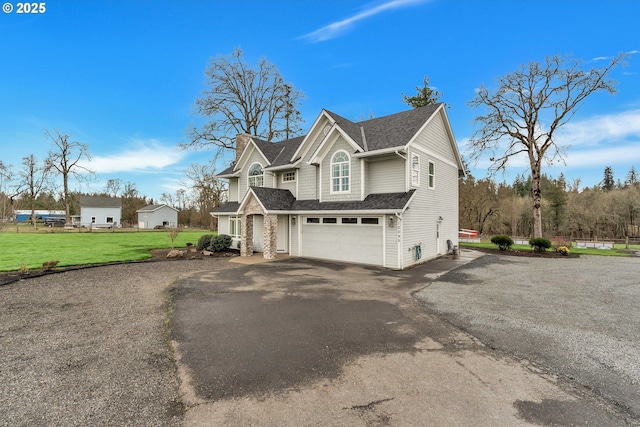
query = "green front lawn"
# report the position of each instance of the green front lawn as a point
(32, 249)
(618, 250)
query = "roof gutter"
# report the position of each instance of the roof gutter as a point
(391, 150)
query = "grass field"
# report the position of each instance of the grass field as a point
(73, 248)
(618, 250)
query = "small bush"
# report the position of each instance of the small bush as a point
(204, 241)
(503, 242)
(23, 269)
(540, 244)
(563, 250)
(49, 265)
(220, 243)
(188, 244)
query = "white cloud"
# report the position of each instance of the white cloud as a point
(605, 156)
(606, 129)
(147, 155)
(598, 141)
(338, 28)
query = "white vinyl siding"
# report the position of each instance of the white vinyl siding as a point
(386, 176)
(354, 192)
(223, 225)
(232, 193)
(98, 216)
(420, 221)
(289, 185)
(308, 175)
(255, 157)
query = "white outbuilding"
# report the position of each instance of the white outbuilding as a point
(153, 216)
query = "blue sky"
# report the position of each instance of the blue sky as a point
(122, 76)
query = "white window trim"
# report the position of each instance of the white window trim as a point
(341, 177)
(414, 182)
(431, 177)
(238, 231)
(249, 177)
(289, 180)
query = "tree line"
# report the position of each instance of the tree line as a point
(46, 185)
(608, 210)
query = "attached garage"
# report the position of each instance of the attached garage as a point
(350, 239)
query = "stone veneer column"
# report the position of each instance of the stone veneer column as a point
(246, 235)
(270, 236)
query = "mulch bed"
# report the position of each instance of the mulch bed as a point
(530, 254)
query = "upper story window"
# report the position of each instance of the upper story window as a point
(415, 170)
(340, 172)
(432, 175)
(256, 175)
(289, 176)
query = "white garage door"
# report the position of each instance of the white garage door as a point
(343, 239)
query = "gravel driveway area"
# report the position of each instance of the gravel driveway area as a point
(89, 347)
(579, 317)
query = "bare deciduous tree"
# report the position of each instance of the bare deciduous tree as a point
(33, 179)
(207, 191)
(65, 158)
(113, 187)
(241, 99)
(528, 107)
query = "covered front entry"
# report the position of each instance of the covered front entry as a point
(261, 231)
(350, 239)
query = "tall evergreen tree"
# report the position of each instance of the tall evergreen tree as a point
(608, 183)
(632, 177)
(425, 96)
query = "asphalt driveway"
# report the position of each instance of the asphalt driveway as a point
(578, 317)
(301, 342)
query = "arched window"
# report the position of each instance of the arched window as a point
(340, 172)
(256, 175)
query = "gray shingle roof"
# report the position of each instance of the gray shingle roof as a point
(152, 208)
(394, 130)
(382, 201)
(397, 129)
(277, 199)
(229, 207)
(100, 202)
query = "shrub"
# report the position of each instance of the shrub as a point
(220, 243)
(204, 241)
(49, 265)
(23, 269)
(540, 244)
(503, 242)
(563, 250)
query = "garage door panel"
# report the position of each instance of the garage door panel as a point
(343, 242)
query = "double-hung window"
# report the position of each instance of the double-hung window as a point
(256, 175)
(340, 172)
(432, 174)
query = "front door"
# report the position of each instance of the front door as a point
(283, 233)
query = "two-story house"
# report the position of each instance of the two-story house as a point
(382, 191)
